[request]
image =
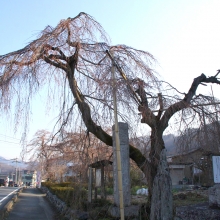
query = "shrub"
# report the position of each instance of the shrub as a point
(46, 184)
(109, 191)
(64, 184)
(74, 195)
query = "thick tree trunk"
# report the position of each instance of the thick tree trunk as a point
(157, 145)
(162, 200)
(159, 181)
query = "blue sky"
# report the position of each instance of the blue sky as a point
(183, 35)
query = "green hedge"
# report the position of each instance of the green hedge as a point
(74, 195)
(49, 184)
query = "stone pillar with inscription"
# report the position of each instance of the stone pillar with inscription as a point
(124, 149)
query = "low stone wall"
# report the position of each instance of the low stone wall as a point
(6, 209)
(214, 196)
(203, 211)
(62, 207)
(197, 212)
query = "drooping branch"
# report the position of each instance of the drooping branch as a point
(92, 127)
(77, 46)
(124, 77)
(185, 102)
(95, 129)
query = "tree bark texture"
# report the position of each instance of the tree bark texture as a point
(162, 200)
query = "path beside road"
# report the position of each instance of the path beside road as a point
(32, 205)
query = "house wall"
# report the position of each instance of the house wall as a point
(176, 175)
(188, 172)
(180, 172)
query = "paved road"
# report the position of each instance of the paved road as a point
(6, 193)
(32, 205)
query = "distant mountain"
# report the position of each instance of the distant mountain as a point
(12, 162)
(170, 145)
(2, 158)
(143, 144)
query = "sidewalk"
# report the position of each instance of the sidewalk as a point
(32, 205)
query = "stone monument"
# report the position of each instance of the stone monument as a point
(129, 210)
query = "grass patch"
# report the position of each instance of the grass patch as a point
(108, 191)
(98, 209)
(188, 198)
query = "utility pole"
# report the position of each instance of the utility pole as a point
(15, 160)
(117, 140)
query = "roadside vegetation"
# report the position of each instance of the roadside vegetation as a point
(75, 196)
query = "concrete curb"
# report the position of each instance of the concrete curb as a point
(6, 209)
